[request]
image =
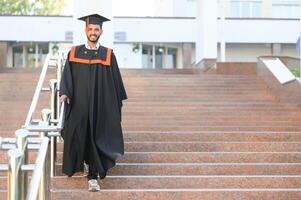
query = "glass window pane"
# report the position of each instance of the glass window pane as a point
(286, 9)
(245, 9)
(295, 12)
(234, 7)
(277, 11)
(256, 9)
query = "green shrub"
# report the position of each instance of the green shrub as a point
(296, 71)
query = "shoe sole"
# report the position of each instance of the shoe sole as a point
(93, 190)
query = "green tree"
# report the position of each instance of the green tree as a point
(31, 7)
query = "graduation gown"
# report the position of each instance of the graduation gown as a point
(92, 81)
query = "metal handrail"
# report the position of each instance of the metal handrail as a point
(60, 125)
(37, 173)
(37, 91)
(49, 129)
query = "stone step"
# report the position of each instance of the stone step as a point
(127, 119)
(179, 194)
(181, 182)
(185, 119)
(191, 169)
(13, 127)
(226, 110)
(178, 118)
(130, 136)
(191, 157)
(213, 136)
(207, 157)
(188, 124)
(217, 105)
(212, 128)
(209, 146)
(192, 94)
(187, 136)
(185, 100)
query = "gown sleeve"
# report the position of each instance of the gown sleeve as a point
(66, 86)
(119, 87)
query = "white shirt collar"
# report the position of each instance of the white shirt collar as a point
(92, 48)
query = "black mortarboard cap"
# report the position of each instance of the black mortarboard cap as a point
(94, 19)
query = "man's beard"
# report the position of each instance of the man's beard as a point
(93, 40)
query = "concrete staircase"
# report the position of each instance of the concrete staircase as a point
(187, 136)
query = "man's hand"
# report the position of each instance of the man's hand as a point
(64, 98)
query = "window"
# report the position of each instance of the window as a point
(286, 9)
(256, 9)
(245, 9)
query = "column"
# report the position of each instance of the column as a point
(3, 54)
(222, 30)
(140, 55)
(180, 58)
(83, 8)
(24, 58)
(154, 56)
(187, 51)
(206, 40)
(276, 49)
(165, 57)
(37, 56)
(10, 57)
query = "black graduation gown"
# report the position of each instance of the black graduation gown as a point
(92, 81)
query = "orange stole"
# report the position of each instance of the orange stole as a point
(107, 62)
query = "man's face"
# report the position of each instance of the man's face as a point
(93, 32)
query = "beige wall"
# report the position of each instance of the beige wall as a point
(246, 52)
(267, 8)
(250, 52)
(290, 50)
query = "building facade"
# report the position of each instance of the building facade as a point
(168, 38)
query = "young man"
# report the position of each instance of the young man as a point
(92, 86)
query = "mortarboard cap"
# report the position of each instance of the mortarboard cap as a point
(94, 19)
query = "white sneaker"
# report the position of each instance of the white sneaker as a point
(93, 185)
(86, 169)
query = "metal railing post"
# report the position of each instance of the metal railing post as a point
(44, 188)
(44, 193)
(46, 115)
(54, 117)
(22, 135)
(14, 183)
(59, 71)
(53, 99)
(37, 92)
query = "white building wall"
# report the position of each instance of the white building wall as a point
(126, 57)
(261, 31)
(164, 8)
(167, 30)
(156, 29)
(250, 36)
(207, 29)
(39, 29)
(184, 8)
